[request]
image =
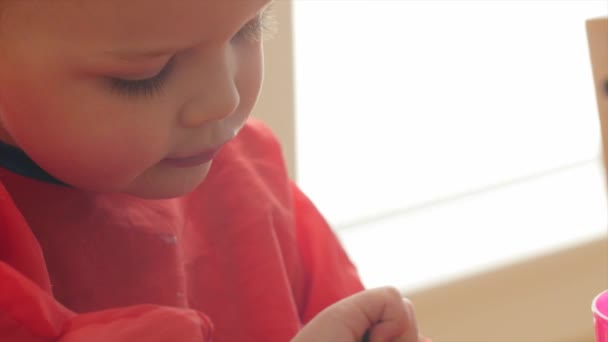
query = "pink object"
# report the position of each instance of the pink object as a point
(600, 316)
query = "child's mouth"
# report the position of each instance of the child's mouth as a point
(194, 160)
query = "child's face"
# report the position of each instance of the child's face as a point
(103, 94)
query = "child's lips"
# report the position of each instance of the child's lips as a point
(206, 155)
(194, 160)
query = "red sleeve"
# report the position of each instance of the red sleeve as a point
(30, 314)
(330, 275)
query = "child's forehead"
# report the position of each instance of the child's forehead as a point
(127, 21)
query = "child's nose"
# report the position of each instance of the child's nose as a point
(217, 97)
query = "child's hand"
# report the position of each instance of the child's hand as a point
(382, 313)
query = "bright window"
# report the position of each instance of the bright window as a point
(403, 106)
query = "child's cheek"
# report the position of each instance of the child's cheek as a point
(105, 161)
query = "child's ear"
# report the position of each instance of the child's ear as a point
(597, 33)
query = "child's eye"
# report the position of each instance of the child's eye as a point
(264, 25)
(142, 87)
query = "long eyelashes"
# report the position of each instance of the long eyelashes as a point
(148, 87)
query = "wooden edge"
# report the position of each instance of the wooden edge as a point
(597, 35)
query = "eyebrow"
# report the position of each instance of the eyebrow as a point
(150, 53)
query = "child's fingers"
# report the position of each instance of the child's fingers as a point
(398, 322)
(383, 311)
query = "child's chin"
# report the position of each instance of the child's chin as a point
(169, 187)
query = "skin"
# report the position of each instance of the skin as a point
(57, 103)
(382, 312)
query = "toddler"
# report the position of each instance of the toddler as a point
(112, 113)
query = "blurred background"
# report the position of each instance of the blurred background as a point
(455, 148)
